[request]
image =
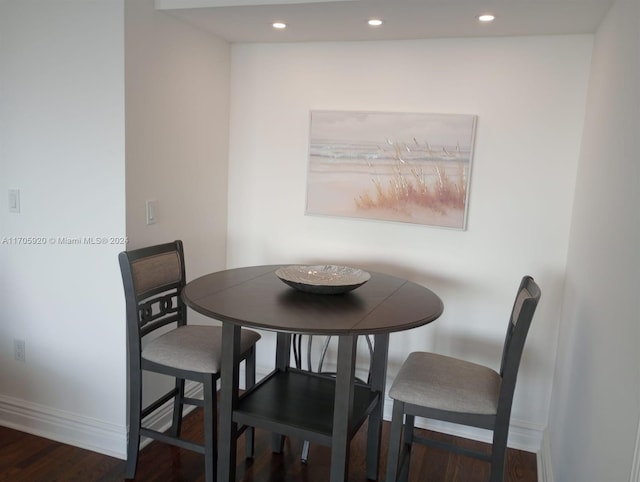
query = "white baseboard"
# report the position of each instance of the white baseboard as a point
(522, 435)
(84, 432)
(65, 427)
(545, 472)
(111, 439)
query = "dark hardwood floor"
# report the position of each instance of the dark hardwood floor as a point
(28, 458)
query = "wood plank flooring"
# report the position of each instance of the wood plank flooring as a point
(28, 458)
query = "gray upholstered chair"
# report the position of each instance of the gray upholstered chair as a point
(445, 388)
(153, 279)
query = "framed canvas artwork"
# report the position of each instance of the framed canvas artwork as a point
(402, 167)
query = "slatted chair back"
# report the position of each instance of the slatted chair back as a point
(524, 307)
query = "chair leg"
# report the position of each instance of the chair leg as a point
(499, 453)
(210, 413)
(277, 443)
(393, 456)
(407, 440)
(135, 419)
(250, 381)
(409, 422)
(304, 456)
(178, 404)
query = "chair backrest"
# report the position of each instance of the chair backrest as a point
(522, 313)
(153, 278)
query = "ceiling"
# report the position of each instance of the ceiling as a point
(346, 20)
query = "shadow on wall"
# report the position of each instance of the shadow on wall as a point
(449, 334)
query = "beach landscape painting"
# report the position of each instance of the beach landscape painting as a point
(402, 167)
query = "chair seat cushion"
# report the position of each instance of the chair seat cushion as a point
(446, 383)
(193, 347)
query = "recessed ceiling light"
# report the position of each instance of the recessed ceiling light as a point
(375, 22)
(279, 25)
(487, 17)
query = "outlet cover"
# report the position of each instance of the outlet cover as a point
(19, 352)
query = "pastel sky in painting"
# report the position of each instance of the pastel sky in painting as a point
(440, 129)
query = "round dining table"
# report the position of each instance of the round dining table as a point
(323, 409)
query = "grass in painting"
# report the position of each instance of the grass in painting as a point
(410, 185)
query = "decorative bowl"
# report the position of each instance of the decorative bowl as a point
(324, 279)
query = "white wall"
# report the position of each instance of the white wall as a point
(62, 143)
(177, 117)
(529, 96)
(62, 137)
(65, 70)
(596, 396)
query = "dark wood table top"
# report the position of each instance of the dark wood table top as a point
(255, 297)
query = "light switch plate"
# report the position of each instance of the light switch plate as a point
(152, 211)
(14, 200)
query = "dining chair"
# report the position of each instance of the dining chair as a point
(160, 340)
(453, 390)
